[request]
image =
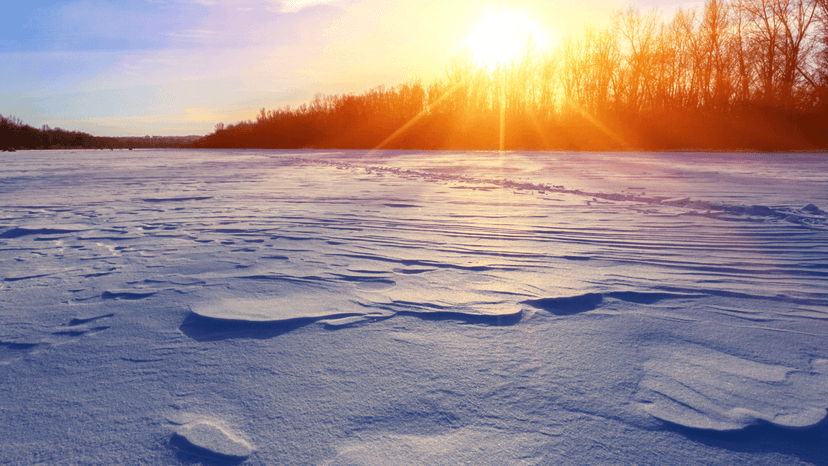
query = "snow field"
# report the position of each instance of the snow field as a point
(284, 307)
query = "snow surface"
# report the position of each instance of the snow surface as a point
(356, 308)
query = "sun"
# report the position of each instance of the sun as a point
(501, 35)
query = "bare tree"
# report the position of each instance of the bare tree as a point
(796, 18)
(715, 79)
(741, 53)
(765, 34)
(638, 30)
(572, 72)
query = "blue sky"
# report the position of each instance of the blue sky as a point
(177, 67)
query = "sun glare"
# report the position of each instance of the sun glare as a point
(500, 35)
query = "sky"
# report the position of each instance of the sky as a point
(178, 67)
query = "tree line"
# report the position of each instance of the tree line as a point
(15, 135)
(744, 74)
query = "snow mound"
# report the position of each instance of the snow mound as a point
(283, 308)
(705, 389)
(211, 441)
(811, 208)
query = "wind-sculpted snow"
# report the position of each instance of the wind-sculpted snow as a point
(413, 308)
(211, 441)
(311, 306)
(567, 305)
(706, 389)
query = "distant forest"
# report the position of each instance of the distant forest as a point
(15, 135)
(744, 74)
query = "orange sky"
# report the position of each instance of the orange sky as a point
(176, 67)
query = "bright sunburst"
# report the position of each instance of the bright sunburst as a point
(500, 35)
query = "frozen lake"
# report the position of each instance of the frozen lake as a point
(375, 308)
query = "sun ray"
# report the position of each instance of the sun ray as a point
(414, 120)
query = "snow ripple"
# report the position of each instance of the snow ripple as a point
(460, 307)
(807, 215)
